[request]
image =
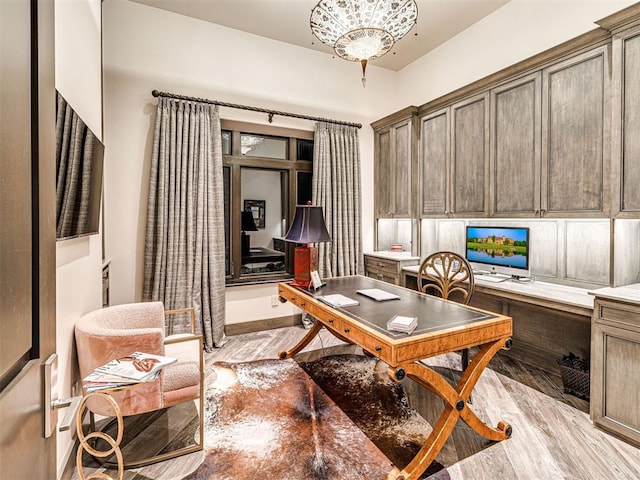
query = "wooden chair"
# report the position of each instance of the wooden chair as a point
(449, 276)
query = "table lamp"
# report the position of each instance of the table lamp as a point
(308, 227)
(248, 225)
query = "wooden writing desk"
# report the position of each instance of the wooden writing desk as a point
(442, 327)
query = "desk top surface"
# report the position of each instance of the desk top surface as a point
(565, 294)
(627, 293)
(433, 314)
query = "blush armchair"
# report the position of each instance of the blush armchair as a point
(117, 331)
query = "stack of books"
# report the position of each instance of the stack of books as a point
(402, 324)
(135, 368)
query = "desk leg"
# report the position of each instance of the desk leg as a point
(456, 407)
(311, 334)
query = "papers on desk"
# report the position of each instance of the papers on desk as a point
(400, 323)
(338, 300)
(378, 295)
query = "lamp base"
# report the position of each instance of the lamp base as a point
(246, 244)
(305, 260)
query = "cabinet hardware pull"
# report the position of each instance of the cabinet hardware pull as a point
(378, 348)
(346, 330)
(331, 321)
(303, 304)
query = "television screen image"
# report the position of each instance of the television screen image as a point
(499, 249)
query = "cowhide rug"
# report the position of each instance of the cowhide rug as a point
(269, 420)
(363, 390)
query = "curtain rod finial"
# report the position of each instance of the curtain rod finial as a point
(155, 93)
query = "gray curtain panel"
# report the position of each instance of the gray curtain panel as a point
(74, 150)
(336, 188)
(184, 246)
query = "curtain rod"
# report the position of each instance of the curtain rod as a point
(271, 113)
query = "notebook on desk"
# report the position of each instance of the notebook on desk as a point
(338, 300)
(377, 294)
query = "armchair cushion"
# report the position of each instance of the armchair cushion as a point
(114, 332)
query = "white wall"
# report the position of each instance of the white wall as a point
(516, 31)
(79, 58)
(78, 70)
(146, 49)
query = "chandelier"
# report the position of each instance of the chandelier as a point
(361, 30)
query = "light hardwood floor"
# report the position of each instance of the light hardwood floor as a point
(553, 437)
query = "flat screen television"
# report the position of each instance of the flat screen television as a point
(79, 170)
(502, 251)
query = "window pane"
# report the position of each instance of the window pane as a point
(226, 173)
(264, 223)
(261, 146)
(226, 142)
(304, 188)
(304, 149)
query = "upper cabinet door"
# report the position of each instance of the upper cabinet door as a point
(383, 172)
(434, 163)
(626, 123)
(470, 156)
(575, 138)
(401, 168)
(394, 157)
(515, 147)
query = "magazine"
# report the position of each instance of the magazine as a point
(101, 381)
(138, 366)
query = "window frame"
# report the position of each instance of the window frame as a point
(236, 162)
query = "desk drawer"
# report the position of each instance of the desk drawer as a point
(297, 300)
(368, 343)
(625, 316)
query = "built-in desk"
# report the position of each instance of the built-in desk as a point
(615, 379)
(549, 320)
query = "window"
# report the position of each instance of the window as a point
(264, 178)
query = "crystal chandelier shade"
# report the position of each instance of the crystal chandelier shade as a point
(360, 30)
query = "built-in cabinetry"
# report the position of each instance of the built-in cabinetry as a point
(576, 108)
(516, 144)
(532, 146)
(387, 266)
(469, 156)
(454, 159)
(615, 347)
(395, 143)
(626, 121)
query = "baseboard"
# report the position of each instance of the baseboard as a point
(260, 325)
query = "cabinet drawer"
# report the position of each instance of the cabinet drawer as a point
(626, 316)
(381, 266)
(385, 277)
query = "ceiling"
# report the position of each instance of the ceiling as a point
(288, 21)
